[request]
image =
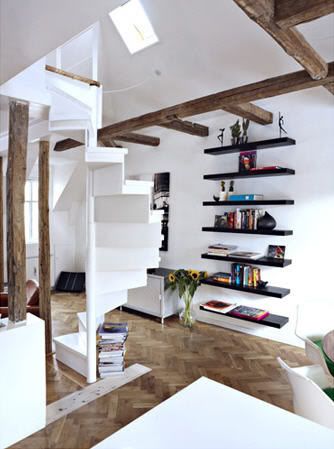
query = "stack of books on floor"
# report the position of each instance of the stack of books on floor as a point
(251, 313)
(111, 348)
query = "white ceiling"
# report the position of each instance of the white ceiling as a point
(205, 46)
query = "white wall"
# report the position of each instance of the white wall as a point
(309, 118)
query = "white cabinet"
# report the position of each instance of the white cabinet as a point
(154, 299)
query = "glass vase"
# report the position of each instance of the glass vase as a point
(185, 315)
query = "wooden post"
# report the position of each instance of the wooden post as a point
(15, 184)
(2, 264)
(44, 243)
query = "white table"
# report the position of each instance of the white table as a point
(209, 415)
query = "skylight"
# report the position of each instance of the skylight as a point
(134, 26)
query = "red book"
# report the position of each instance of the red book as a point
(249, 312)
(270, 167)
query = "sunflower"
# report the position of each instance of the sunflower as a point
(171, 277)
(195, 275)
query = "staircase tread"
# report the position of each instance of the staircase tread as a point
(134, 182)
(106, 150)
(72, 342)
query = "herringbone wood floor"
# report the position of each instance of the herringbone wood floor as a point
(177, 357)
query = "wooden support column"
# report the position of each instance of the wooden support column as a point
(44, 243)
(2, 264)
(16, 178)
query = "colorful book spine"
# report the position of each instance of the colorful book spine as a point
(245, 197)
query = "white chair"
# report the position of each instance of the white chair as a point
(311, 326)
(309, 401)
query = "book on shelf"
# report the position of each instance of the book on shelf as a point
(245, 197)
(251, 313)
(218, 306)
(224, 278)
(276, 251)
(239, 219)
(241, 275)
(221, 249)
(268, 167)
(247, 160)
(245, 255)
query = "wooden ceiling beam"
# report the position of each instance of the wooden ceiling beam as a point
(184, 126)
(289, 13)
(270, 87)
(108, 143)
(106, 140)
(291, 40)
(140, 139)
(252, 112)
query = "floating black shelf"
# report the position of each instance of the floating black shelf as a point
(249, 203)
(276, 321)
(275, 292)
(250, 174)
(258, 145)
(248, 231)
(266, 261)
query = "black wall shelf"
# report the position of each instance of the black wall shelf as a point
(249, 203)
(258, 145)
(275, 292)
(250, 174)
(248, 231)
(276, 321)
(266, 261)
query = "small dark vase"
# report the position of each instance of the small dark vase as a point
(266, 222)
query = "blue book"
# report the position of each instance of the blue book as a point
(245, 197)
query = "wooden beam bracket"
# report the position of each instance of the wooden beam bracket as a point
(251, 112)
(175, 123)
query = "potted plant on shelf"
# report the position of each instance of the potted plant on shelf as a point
(187, 282)
(235, 132)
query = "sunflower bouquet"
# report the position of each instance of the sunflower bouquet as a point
(186, 281)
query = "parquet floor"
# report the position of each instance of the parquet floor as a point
(177, 357)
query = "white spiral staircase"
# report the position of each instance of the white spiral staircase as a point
(123, 234)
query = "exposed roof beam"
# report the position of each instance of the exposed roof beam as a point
(67, 144)
(141, 139)
(271, 87)
(289, 13)
(252, 112)
(291, 40)
(185, 127)
(108, 143)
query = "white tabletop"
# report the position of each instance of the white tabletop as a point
(209, 415)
